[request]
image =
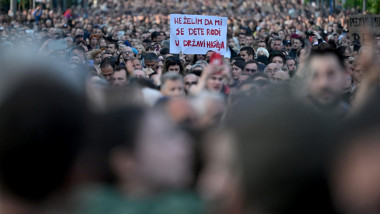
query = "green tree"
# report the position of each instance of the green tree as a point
(373, 6)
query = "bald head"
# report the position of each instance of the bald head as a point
(271, 69)
(281, 76)
(140, 74)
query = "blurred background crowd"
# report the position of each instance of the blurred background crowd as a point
(97, 116)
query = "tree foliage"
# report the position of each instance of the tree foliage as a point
(373, 6)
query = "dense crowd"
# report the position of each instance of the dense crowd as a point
(97, 116)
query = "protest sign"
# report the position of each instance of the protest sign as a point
(194, 34)
(357, 23)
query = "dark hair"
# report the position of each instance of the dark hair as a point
(39, 142)
(150, 57)
(249, 50)
(301, 40)
(149, 48)
(147, 41)
(237, 58)
(324, 52)
(289, 58)
(276, 53)
(170, 61)
(277, 38)
(154, 35)
(164, 51)
(239, 64)
(113, 42)
(118, 59)
(121, 68)
(252, 61)
(107, 62)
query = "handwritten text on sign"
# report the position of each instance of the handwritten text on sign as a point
(193, 34)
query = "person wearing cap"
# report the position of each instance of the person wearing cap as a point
(288, 45)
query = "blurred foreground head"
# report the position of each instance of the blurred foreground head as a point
(41, 127)
(356, 169)
(281, 154)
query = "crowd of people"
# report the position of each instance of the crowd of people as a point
(97, 116)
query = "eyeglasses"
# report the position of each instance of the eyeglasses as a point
(249, 70)
(191, 83)
(127, 52)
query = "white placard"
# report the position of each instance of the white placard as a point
(194, 34)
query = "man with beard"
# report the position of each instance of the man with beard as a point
(326, 81)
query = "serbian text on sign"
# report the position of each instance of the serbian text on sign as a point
(194, 34)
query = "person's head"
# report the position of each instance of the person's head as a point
(106, 54)
(272, 145)
(281, 34)
(154, 36)
(288, 45)
(94, 39)
(208, 55)
(144, 36)
(69, 41)
(79, 50)
(172, 85)
(163, 153)
(215, 82)
(248, 41)
(96, 55)
(136, 64)
(280, 76)
(291, 64)
(102, 43)
(112, 47)
(237, 69)
(150, 60)
(326, 78)
(242, 38)
(271, 69)
(237, 58)
(197, 69)
(261, 44)
(128, 53)
(50, 130)
(358, 74)
(107, 67)
(190, 79)
(251, 67)
(140, 48)
(161, 36)
(75, 59)
(247, 53)
(120, 77)
(297, 43)
(277, 57)
(277, 44)
(173, 64)
(139, 74)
